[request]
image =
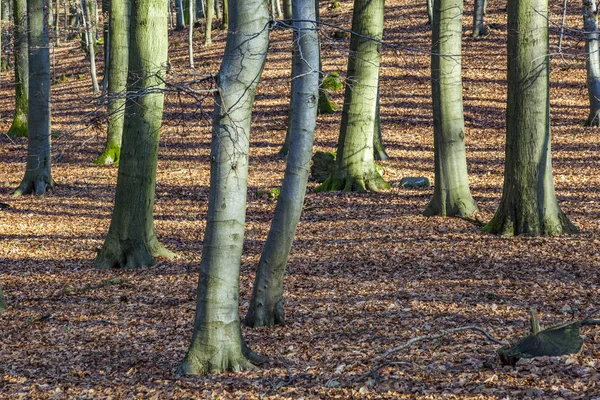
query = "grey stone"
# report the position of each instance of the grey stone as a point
(413, 182)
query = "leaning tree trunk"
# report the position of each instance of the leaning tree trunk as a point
(590, 26)
(131, 241)
(451, 195)
(19, 126)
(210, 9)
(266, 304)
(117, 79)
(528, 204)
(355, 166)
(217, 344)
(479, 28)
(38, 177)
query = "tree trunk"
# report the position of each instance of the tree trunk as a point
(225, 15)
(287, 9)
(479, 28)
(90, 42)
(217, 9)
(179, 15)
(200, 9)
(2, 302)
(379, 152)
(217, 343)
(590, 26)
(117, 79)
(57, 23)
(19, 127)
(451, 195)
(38, 176)
(355, 166)
(430, 11)
(210, 9)
(191, 34)
(131, 241)
(528, 204)
(266, 304)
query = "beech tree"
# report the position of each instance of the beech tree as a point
(118, 27)
(266, 304)
(355, 166)
(479, 28)
(451, 195)
(38, 177)
(528, 204)
(217, 344)
(590, 26)
(19, 125)
(131, 240)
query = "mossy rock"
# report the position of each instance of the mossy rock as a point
(323, 165)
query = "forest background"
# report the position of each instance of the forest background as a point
(367, 271)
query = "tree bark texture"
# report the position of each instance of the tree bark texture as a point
(379, 152)
(479, 28)
(180, 24)
(131, 241)
(2, 302)
(118, 60)
(528, 204)
(19, 127)
(451, 195)
(38, 177)
(592, 36)
(355, 165)
(217, 344)
(266, 304)
(90, 36)
(210, 10)
(191, 34)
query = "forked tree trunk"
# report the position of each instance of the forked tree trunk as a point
(528, 204)
(355, 166)
(590, 26)
(118, 60)
(19, 125)
(217, 344)
(131, 241)
(210, 9)
(266, 304)
(38, 177)
(451, 195)
(479, 28)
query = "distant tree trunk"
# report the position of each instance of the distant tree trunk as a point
(131, 241)
(38, 177)
(266, 304)
(210, 8)
(179, 15)
(2, 302)
(200, 9)
(287, 9)
(430, 11)
(225, 15)
(217, 344)
(106, 39)
(528, 204)
(117, 79)
(355, 166)
(592, 49)
(217, 5)
(451, 195)
(191, 34)
(479, 28)
(379, 152)
(57, 24)
(90, 42)
(19, 126)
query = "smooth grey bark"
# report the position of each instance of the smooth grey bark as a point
(179, 15)
(19, 127)
(217, 344)
(118, 60)
(90, 42)
(191, 34)
(131, 241)
(451, 195)
(266, 304)
(592, 49)
(430, 11)
(479, 28)
(38, 177)
(210, 9)
(355, 165)
(528, 204)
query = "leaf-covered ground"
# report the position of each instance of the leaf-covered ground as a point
(367, 271)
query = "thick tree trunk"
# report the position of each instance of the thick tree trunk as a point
(38, 176)
(355, 166)
(117, 79)
(179, 15)
(528, 204)
(210, 9)
(266, 304)
(451, 195)
(217, 343)
(19, 127)
(131, 241)
(590, 26)
(479, 28)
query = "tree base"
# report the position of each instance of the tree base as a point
(374, 182)
(504, 225)
(18, 128)
(110, 155)
(325, 106)
(593, 120)
(260, 315)
(38, 186)
(460, 208)
(127, 254)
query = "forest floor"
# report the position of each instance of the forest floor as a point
(367, 272)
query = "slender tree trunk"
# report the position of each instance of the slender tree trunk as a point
(430, 11)
(38, 177)
(106, 39)
(528, 204)
(210, 8)
(90, 42)
(225, 15)
(479, 28)
(287, 9)
(355, 166)
(266, 304)
(131, 241)
(179, 15)
(592, 49)
(200, 9)
(117, 79)
(2, 302)
(217, 344)
(66, 21)
(57, 24)
(19, 127)
(451, 195)
(191, 35)
(217, 5)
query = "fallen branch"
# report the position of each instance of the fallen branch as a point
(88, 287)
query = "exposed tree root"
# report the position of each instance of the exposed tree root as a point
(110, 155)
(262, 315)
(504, 225)
(19, 127)
(130, 254)
(38, 186)
(342, 182)
(593, 120)
(459, 208)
